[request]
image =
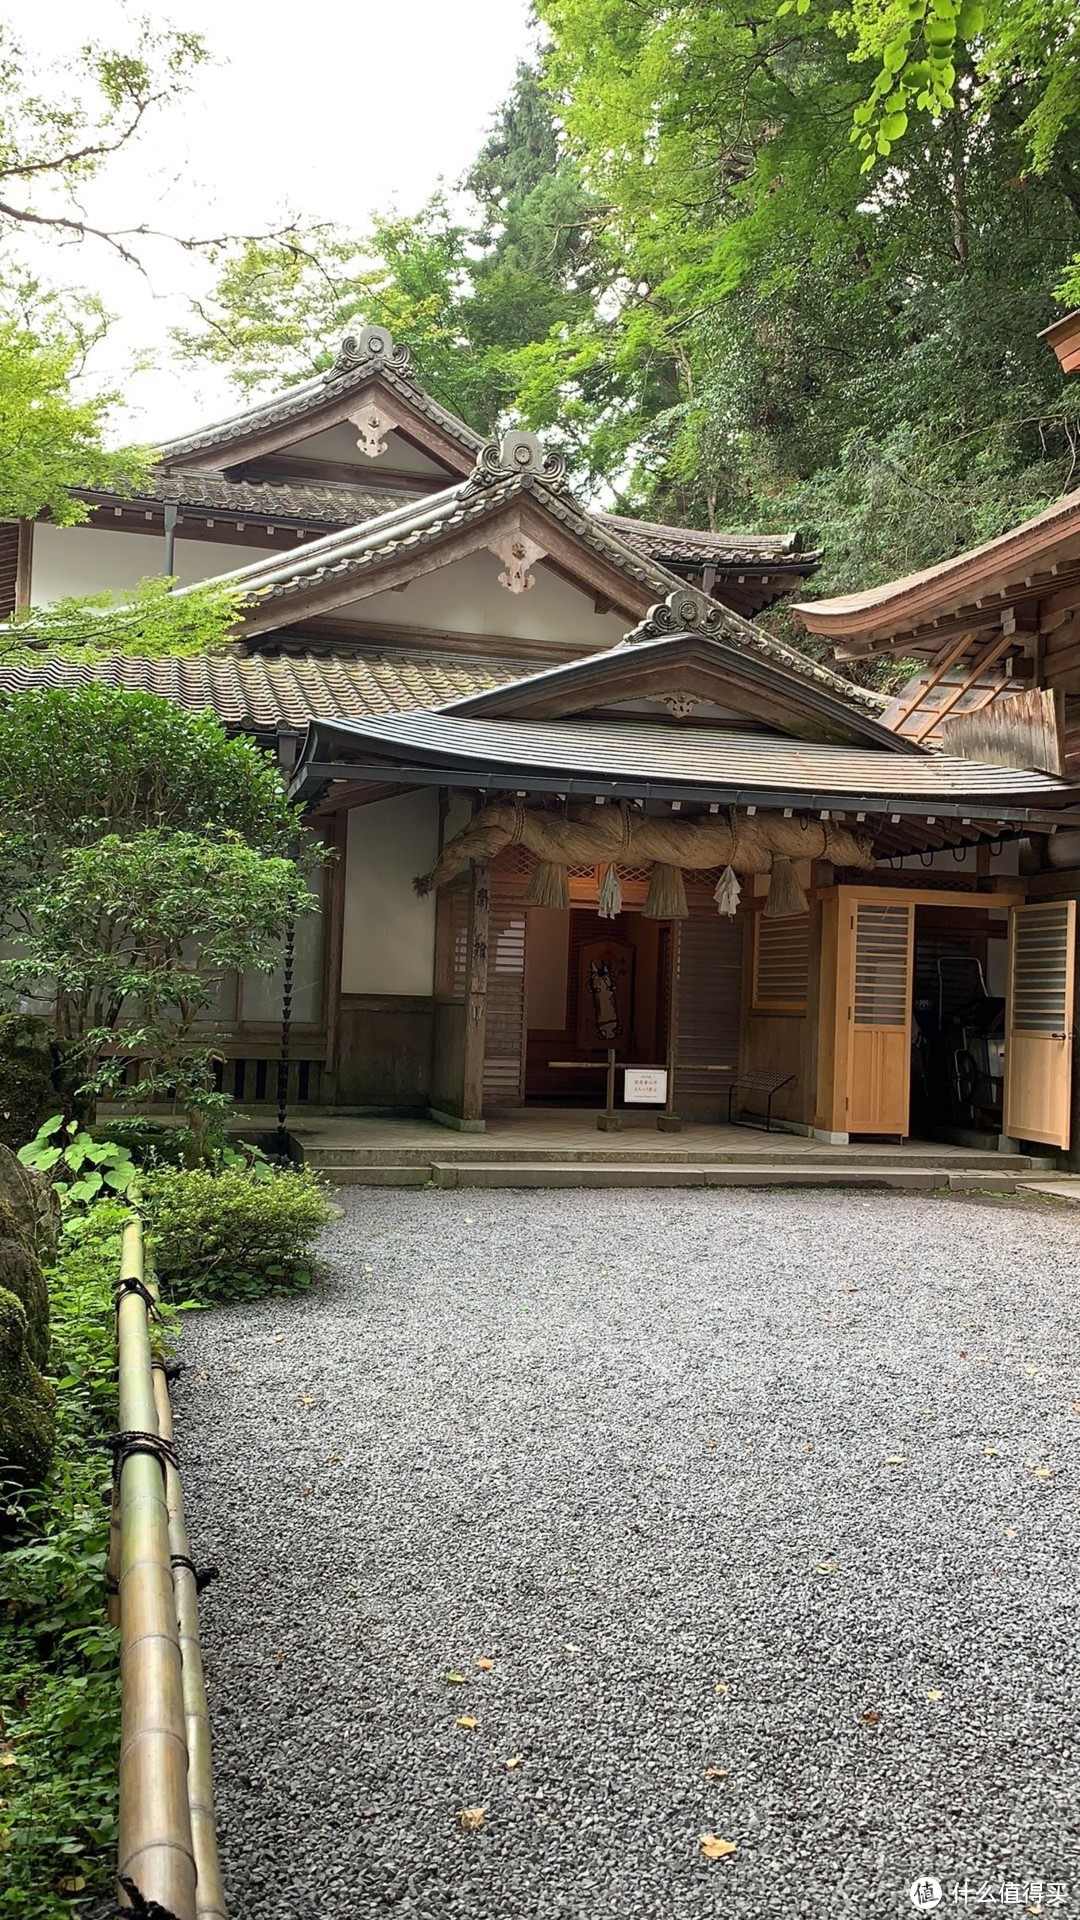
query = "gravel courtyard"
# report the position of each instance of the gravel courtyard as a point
(763, 1507)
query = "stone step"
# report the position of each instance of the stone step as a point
(473, 1152)
(578, 1174)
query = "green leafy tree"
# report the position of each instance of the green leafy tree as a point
(134, 937)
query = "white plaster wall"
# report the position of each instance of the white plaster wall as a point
(339, 444)
(72, 560)
(466, 597)
(388, 934)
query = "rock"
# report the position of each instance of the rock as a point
(32, 1201)
(27, 1402)
(20, 1274)
(26, 1075)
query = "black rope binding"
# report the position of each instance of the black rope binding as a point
(172, 1369)
(202, 1576)
(139, 1906)
(131, 1285)
(123, 1445)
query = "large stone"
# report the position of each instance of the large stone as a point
(27, 1404)
(31, 1201)
(29, 1230)
(26, 1077)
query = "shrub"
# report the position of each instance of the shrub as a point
(59, 1683)
(229, 1236)
(83, 1170)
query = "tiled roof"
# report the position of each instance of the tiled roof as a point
(263, 693)
(353, 366)
(712, 549)
(308, 503)
(346, 554)
(312, 503)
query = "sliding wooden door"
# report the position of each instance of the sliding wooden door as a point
(881, 947)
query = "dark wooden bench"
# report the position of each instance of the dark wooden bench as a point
(756, 1082)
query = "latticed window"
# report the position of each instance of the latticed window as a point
(781, 963)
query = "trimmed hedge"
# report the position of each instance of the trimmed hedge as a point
(234, 1235)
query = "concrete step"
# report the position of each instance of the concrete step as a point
(474, 1152)
(546, 1173)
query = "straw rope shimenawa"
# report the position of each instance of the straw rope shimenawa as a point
(591, 835)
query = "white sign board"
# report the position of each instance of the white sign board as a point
(645, 1086)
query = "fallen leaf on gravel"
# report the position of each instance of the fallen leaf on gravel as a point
(808, 1446)
(568, 1648)
(716, 1773)
(1076, 1406)
(1010, 1533)
(896, 1459)
(870, 1718)
(991, 1453)
(722, 1687)
(466, 1720)
(515, 1760)
(934, 1693)
(469, 1220)
(454, 1679)
(716, 1849)
(335, 1456)
(1032, 1372)
(485, 1665)
(470, 1818)
(1041, 1473)
(306, 1400)
(369, 1269)
(825, 1566)
(305, 1490)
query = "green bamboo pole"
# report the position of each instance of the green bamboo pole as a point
(155, 1849)
(209, 1892)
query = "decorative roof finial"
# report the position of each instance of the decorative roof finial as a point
(684, 611)
(517, 453)
(371, 344)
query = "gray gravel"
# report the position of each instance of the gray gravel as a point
(748, 1481)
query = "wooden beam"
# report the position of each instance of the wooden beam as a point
(946, 660)
(984, 660)
(472, 1094)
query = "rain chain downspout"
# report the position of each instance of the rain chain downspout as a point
(167, 1846)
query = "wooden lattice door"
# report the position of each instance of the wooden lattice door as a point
(879, 1085)
(1038, 1022)
(504, 1037)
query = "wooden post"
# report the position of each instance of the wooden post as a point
(472, 1098)
(608, 1121)
(668, 1121)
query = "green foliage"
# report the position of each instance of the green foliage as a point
(232, 1235)
(59, 1687)
(134, 937)
(466, 291)
(149, 619)
(81, 764)
(82, 1169)
(51, 440)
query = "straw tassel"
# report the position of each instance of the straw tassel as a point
(785, 895)
(666, 898)
(726, 893)
(549, 886)
(609, 899)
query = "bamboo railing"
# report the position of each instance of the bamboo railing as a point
(167, 1845)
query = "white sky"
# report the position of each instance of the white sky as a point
(328, 112)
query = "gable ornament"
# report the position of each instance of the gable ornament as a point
(372, 423)
(518, 554)
(684, 611)
(516, 453)
(371, 343)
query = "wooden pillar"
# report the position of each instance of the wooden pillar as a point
(472, 1099)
